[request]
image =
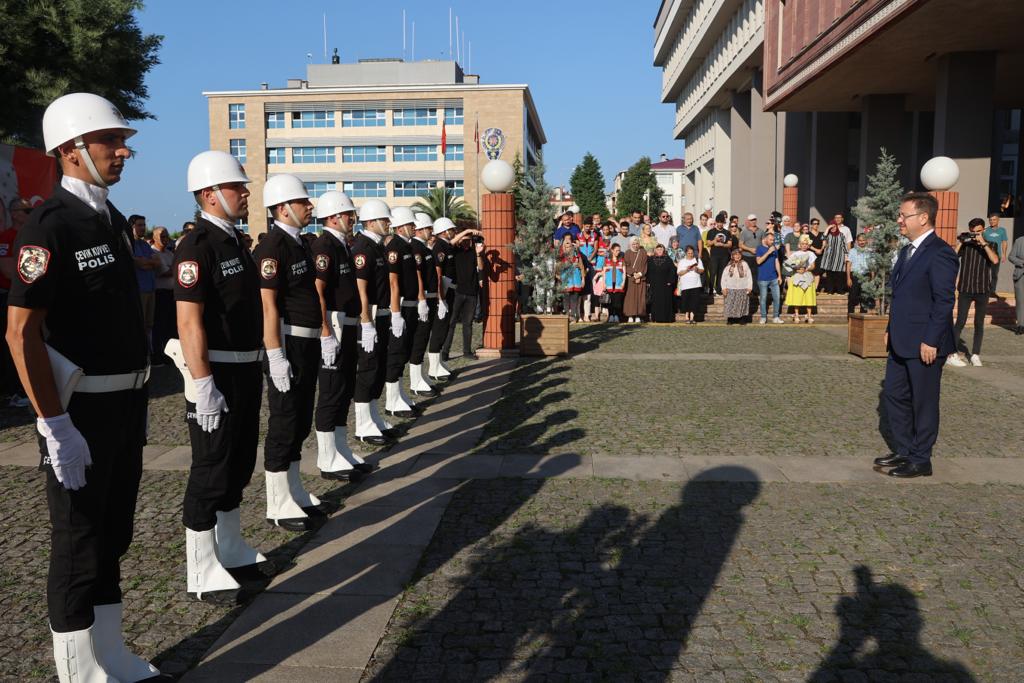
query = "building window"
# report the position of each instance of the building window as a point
(312, 119)
(415, 117)
(313, 155)
(456, 187)
(275, 119)
(237, 148)
(453, 116)
(316, 190)
(236, 116)
(242, 225)
(366, 188)
(360, 118)
(314, 227)
(415, 152)
(413, 188)
(453, 153)
(364, 154)
(275, 155)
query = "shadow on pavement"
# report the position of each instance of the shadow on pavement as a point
(589, 338)
(880, 631)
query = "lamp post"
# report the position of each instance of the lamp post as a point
(499, 227)
(791, 196)
(938, 175)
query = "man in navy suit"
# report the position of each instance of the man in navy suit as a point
(919, 337)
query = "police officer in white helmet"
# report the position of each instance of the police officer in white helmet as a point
(407, 291)
(292, 336)
(424, 257)
(77, 338)
(219, 354)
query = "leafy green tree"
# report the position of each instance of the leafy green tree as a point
(49, 48)
(638, 181)
(587, 184)
(534, 254)
(876, 212)
(440, 201)
(517, 168)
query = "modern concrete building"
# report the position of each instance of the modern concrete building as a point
(373, 129)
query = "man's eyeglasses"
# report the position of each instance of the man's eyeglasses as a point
(911, 215)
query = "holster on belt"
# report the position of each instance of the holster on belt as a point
(177, 356)
(65, 375)
(337, 322)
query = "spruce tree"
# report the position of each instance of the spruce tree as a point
(587, 185)
(639, 179)
(534, 254)
(876, 212)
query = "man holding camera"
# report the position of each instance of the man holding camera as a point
(977, 258)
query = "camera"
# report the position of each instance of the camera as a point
(966, 237)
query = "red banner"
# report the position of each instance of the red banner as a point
(26, 173)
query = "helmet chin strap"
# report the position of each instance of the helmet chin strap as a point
(229, 210)
(296, 223)
(84, 153)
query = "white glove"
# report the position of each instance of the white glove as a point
(328, 350)
(423, 309)
(209, 404)
(280, 371)
(397, 325)
(368, 336)
(442, 308)
(68, 451)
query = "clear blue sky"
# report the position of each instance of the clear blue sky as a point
(588, 65)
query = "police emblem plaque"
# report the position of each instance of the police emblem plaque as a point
(32, 263)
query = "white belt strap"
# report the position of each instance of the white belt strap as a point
(380, 312)
(430, 295)
(298, 331)
(103, 384)
(410, 303)
(216, 356)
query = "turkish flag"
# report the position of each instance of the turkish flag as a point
(25, 173)
(444, 139)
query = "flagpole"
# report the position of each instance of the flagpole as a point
(444, 171)
(479, 198)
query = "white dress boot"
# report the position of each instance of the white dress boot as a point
(108, 640)
(300, 495)
(404, 396)
(331, 463)
(232, 550)
(74, 653)
(394, 404)
(282, 510)
(377, 418)
(437, 370)
(366, 428)
(419, 384)
(352, 458)
(205, 572)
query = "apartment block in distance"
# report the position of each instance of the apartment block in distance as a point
(373, 130)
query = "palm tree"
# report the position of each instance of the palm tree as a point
(440, 201)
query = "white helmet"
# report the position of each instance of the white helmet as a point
(402, 215)
(332, 203)
(443, 224)
(283, 188)
(72, 116)
(374, 210)
(423, 221)
(212, 168)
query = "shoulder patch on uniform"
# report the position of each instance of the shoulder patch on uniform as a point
(419, 259)
(268, 268)
(440, 256)
(360, 261)
(188, 274)
(323, 262)
(392, 257)
(32, 263)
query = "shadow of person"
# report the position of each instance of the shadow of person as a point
(880, 630)
(613, 596)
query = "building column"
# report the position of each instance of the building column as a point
(739, 130)
(722, 158)
(826, 177)
(885, 122)
(764, 182)
(797, 157)
(963, 124)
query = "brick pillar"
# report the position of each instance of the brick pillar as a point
(791, 202)
(946, 220)
(499, 226)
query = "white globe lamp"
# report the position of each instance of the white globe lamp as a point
(790, 180)
(498, 176)
(707, 207)
(939, 174)
(574, 208)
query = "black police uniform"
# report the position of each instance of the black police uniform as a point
(425, 263)
(77, 265)
(286, 266)
(333, 264)
(443, 251)
(213, 268)
(467, 287)
(369, 263)
(401, 261)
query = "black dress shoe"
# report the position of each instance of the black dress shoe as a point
(228, 597)
(326, 508)
(391, 434)
(441, 378)
(352, 475)
(401, 413)
(891, 460)
(297, 524)
(365, 467)
(912, 469)
(375, 440)
(158, 677)
(426, 394)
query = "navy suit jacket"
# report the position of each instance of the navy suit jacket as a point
(923, 292)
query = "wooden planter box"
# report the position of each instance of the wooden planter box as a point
(866, 335)
(544, 335)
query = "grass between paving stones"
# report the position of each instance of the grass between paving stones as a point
(679, 338)
(606, 579)
(730, 407)
(160, 622)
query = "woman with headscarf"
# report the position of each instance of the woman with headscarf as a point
(661, 279)
(571, 274)
(832, 262)
(800, 292)
(647, 239)
(689, 290)
(737, 282)
(635, 304)
(614, 273)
